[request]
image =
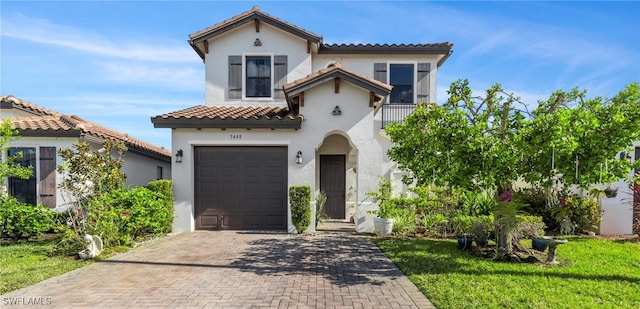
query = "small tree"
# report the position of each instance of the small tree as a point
(88, 173)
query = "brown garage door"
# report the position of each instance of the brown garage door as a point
(240, 188)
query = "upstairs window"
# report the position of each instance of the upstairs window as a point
(258, 76)
(401, 78)
(406, 88)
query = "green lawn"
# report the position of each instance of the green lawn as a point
(594, 273)
(25, 263)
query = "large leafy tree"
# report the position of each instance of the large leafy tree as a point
(489, 141)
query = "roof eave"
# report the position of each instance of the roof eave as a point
(314, 38)
(443, 59)
(218, 123)
(384, 50)
(297, 89)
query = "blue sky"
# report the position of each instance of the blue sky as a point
(118, 63)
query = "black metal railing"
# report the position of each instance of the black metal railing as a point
(396, 112)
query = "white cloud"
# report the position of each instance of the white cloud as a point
(19, 26)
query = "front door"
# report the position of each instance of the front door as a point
(332, 183)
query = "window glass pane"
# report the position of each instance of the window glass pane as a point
(24, 189)
(401, 74)
(258, 77)
(401, 94)
(401, 78)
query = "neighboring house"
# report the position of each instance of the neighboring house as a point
(282, 108)
(43, 131)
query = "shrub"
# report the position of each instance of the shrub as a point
(126, 214)
(529, 227)
(404, 221)
(300, 200)
(435, 223)
(585, 213)
(19, 220)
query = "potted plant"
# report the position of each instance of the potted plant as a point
(480, 229)
(321, 199)
(462, 227)
(383, 222)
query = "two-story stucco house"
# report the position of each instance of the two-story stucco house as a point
(43, 132)
(282, 108)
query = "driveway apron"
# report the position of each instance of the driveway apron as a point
(334, 268)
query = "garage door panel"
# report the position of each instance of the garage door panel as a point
(241, 187)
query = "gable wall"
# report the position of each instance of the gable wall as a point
(363, 64)
(240, 41)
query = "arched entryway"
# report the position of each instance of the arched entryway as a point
(335, 175)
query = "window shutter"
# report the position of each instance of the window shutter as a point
(279, 76)
(235, 77)
(48, 176)
(423, 82)
(380, 72)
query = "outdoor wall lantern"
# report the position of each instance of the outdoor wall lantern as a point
(299, 157)
(179, 156)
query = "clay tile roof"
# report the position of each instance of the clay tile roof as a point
(9, 101)
(202, 116)
(338, 68)
(250, 15)
(51, 123)
(39, 123)
(443, 47)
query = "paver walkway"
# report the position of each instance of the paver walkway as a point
(335, 268)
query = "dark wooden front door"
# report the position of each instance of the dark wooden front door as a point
(332, 183)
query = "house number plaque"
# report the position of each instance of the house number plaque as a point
(235, 136)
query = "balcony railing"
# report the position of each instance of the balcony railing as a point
(396, 112)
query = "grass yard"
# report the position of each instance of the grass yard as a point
(25, 263)
(593, 273)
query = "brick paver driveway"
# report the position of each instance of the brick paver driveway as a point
(334, 268)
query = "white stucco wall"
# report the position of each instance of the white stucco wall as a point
(240, 41)
(363, 64)
(356, 123)
(141, 169)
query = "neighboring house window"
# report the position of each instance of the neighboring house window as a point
(24, 189)
(401, 78)
(159, 172)
(258, 75)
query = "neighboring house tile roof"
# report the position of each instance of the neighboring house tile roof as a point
(11, 102)
(243, 18)
(46, 122)
(224, 117)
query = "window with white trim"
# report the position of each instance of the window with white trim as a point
(258, 77)
(401, 78)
